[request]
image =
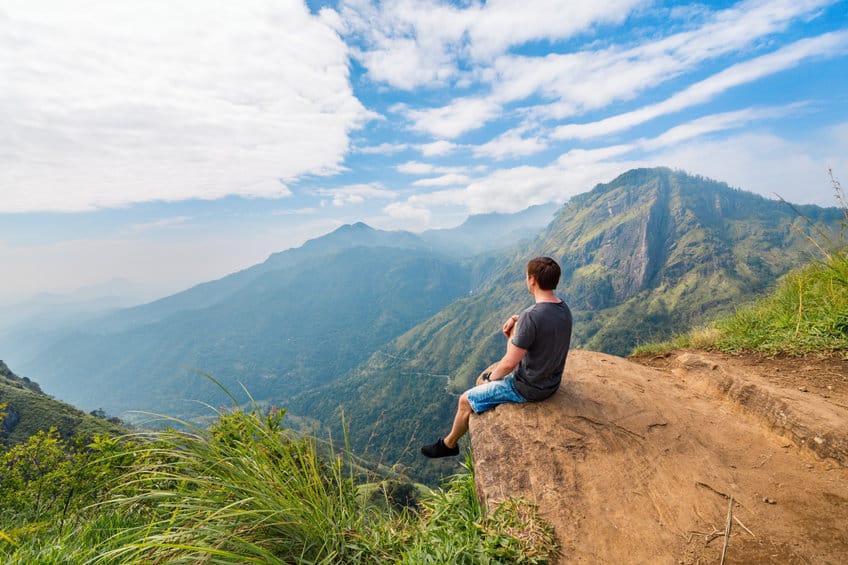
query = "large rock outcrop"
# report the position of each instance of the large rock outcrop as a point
(632, 464)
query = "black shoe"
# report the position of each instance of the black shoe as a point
(439, 449)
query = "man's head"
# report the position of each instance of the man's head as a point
(545, 271)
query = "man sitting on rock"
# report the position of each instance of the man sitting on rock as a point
(531, 369)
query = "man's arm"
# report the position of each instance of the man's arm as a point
(509, 325)
(509, 362)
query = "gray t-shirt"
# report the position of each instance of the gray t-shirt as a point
(544, 330)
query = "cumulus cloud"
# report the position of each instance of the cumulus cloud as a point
(408, 212)
(110, 103)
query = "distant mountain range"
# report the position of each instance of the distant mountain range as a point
(382, 324)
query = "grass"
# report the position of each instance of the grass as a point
(807, 314)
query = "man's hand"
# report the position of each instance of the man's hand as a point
(484, 377)
(509, 325)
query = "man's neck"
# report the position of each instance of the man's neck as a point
(545, 296)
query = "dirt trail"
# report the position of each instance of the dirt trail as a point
(635, 462)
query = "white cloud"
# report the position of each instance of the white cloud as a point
(757, 162)
(444, 180)
(516, 188)
(715, 123)
(411, 216)
(416, 168)
(501, 25)
(591, 79)
(454, 119)
(437, 148)
(384, 148)
(356, 194)
(511, 144)
(700, 92)
(408, 43)
(109, 104)
(413, 43)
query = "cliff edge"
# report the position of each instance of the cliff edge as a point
(636, 464)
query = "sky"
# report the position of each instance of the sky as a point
(165, 143)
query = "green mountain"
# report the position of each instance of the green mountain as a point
(655, 251)
(644, 256)
(28, 410)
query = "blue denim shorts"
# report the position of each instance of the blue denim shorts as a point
(488, 395)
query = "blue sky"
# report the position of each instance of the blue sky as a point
(168, 143)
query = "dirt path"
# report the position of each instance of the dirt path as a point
(636, 462)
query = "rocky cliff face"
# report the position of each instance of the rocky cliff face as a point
(636, 465)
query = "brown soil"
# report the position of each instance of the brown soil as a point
(823, 377)
(635, 461)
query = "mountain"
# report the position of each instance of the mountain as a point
(280, 332)
(28, 410)
(646, 255)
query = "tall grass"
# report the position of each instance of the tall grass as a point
(806, 314)
(246, 490)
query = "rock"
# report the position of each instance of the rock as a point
(694, 361)
(618, 488)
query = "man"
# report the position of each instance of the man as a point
(531, 370)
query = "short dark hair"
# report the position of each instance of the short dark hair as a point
(546, 271)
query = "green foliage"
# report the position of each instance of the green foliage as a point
(457, 530)
(47, 491)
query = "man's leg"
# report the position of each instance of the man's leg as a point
(460, 421)
(448, 447)
(478, 399)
